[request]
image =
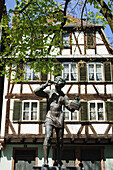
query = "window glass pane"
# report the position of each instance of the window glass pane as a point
(73, 68)
(66, 72)
(73, 72)
(35, 76)
(98, 68)
(66, 40)
(66, 68)
(92, 111)
(91, 68)
(98, 76)
(66, 113)
(27, 72)
(26, 111)
(91, 76)
(34, 111)
(100, 111)
(73, 76)
(91, 71)
(74, 115)
(98, 72)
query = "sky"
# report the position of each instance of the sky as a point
(11, 3)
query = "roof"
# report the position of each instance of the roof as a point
(78, 22)
(75, 22)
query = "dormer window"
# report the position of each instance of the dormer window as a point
(90, 40)
(66, 40)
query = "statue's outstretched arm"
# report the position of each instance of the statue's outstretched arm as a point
(41, 91)
(71, 105)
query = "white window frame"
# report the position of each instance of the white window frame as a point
(30, 72)
(69, 63)
(96, 102)
(30, 102)
(95, 79)
(38, 74)
(70, 114)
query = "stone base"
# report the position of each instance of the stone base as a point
(55, 168)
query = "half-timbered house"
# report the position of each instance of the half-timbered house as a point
(88, 133)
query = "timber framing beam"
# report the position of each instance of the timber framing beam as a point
(71, 96)
(76, 82)
(99, 139)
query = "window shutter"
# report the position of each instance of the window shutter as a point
(43, 77)
(17, 112)
(107, 71)
(109, 110)
(84, 111)
(82, 71)
(43, 110)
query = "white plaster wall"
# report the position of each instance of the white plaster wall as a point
(15, 126)
(100, 128)
(74, 89)
(109, 89)
(80, 37)
(102, 50)
(100, 88)
(65, 88)
(66, 52)
(54, 51)
(74, 128)
(98, 39)
(29, 129)
(90, 89)
(26, 89)
(16, 88)
(90, 51)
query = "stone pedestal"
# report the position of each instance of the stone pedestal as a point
(55, 168)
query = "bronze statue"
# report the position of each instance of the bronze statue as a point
(55, 117)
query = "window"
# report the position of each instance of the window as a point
(96, 110)
(70, 71)
(66, 40)
(31, 75)
(90, 39)
(29, 110)
(95, 72)
(70, 115)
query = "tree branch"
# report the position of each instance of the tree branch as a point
(64, 16)
(106, 12)
(2, 6)
(82, 13)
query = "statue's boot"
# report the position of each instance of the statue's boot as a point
(46, 153)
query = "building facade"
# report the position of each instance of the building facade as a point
(88, 133)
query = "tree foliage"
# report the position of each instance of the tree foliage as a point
(35, 27)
